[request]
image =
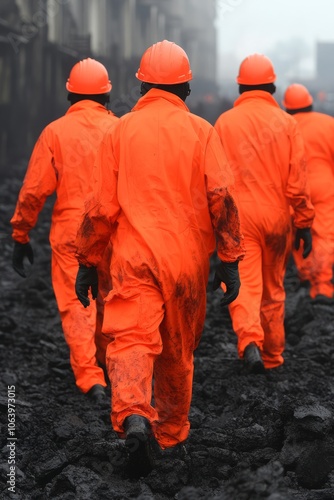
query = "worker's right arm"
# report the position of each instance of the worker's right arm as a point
(39, 182)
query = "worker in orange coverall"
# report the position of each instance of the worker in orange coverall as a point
(162, 193)
(318, 132)
(62, 162)
(266, 153)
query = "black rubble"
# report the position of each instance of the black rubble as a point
(253, 437)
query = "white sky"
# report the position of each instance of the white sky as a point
(248, 26)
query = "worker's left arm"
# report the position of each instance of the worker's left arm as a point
(298, 190)
(223, 210)
(101, 209)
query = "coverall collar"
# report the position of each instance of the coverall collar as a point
(155, 94)
(86, 103)
(256, 94)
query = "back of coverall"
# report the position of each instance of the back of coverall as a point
(318, 133)
(163, 192)
(266, 153)
(62, 162)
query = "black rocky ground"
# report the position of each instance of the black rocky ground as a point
(253, 436)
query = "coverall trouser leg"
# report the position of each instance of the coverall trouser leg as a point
(181, 332)
(78, 323)
(105, 285)
(258, 312)
(317, 268)
(152, 338)
(132, 317)
(273, 306)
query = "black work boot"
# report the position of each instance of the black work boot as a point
(97, 394)
(252, 359)
(138, 442)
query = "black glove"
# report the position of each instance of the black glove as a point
(20, 251)
(86, 279)
(305, 235)
(228, 273)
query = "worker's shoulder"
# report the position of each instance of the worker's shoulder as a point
(95, 118)
(227, 114)
(58, 123)
(197, 119)
(322, 118)
(179, 115)
(285, 117)
(52, 128)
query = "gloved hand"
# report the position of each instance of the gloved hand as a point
(228, 273)
(305, 235)
(20, 251)
(86, 279)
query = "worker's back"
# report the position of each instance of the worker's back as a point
(318, 132)
(62, 161)
(164, 153)
(163, 177)
(75, 139)
(262, 143)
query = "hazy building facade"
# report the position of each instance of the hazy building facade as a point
(40, 40)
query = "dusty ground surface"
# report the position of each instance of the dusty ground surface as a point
(253, 436)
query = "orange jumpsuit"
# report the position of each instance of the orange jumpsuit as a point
(266, 153)
(162, 194)
(318, 132)
(62, 162)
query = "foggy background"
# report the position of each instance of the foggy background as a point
(40, 41)
(297, 35)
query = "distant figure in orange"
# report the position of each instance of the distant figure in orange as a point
(62, 163)
(318, 132)
(266, 153)
(162, 193)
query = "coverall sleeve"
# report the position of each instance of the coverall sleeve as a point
(101, 208)
(298, 191)
(39, 182)
(223, 210)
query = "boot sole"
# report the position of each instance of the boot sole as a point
(256, 368)
(140, 460)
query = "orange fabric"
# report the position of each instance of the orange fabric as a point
(318, 133)
(266, 154)
(101, 339)
(61, 163)
(162, 193)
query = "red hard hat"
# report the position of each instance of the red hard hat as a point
(165, 63)
(88, 77)
(297, 97)
(256, 69)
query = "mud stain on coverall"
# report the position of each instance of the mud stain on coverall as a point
(277, 242)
